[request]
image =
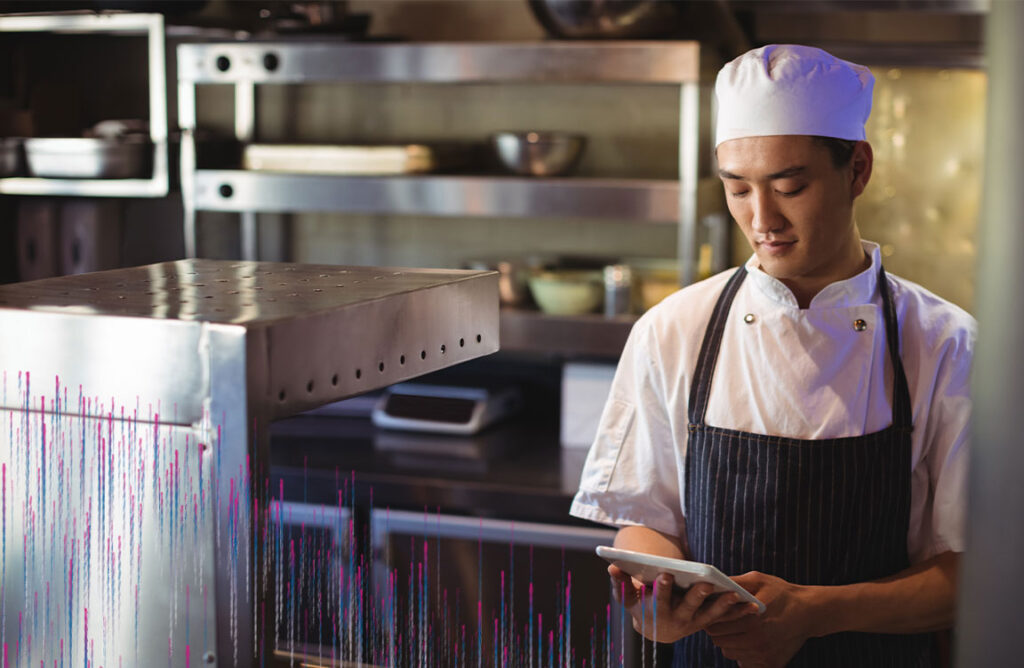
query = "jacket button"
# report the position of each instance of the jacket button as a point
(749, 318)
(860, 325)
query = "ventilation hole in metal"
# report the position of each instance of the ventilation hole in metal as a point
(478, 338)
(359, 374)
(380, 367)
(280, 395)
(309, 386)
(423, 354)
(443, 349)
(401, 360)
(462, 343)
(334, 379)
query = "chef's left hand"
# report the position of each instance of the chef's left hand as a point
(770, 639)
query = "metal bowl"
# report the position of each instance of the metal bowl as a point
(538, 153)
(607, 19)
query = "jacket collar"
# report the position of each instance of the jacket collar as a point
(854, 291)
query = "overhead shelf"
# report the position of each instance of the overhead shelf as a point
(107, 23)
(83, 187)
(641, 200)
(454, 62)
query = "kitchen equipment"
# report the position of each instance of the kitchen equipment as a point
(655, 279)
(607, 19)
(567, 291)
(356, 159)
(11, 156)
(585, 389)
(618, 287)
(38, 232)
(513, 278)
(124, 157)
(536, 153)
(196, 358)
(444, 408)
(90, 235)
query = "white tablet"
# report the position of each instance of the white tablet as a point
(647, 567)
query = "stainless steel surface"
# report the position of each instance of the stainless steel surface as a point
(641, 62)
(217, 349)
(537, 153)
(590, 335)
(88, 157)
(990, 588)
(12, 161)
(628, 200)
(689, 140)
(117, 23)
(245, 131)
(383, 522)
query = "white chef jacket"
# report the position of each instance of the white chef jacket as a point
(800, 373)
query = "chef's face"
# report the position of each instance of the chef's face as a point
(795, 206)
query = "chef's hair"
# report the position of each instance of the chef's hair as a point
(841, 150)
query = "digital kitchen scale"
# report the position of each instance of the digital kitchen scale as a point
(444, 408)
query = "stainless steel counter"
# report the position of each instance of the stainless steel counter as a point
(136, 405)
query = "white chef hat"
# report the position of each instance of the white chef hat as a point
(788, 89)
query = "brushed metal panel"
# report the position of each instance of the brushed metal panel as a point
(644, 62)
(639, 200)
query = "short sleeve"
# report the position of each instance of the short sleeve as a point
(632, 473)
(945, 454)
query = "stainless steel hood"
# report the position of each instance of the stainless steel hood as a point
(135, 406)
(930, 33)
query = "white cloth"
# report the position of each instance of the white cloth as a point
(805, 374)
(788, 89)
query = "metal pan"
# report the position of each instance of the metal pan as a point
(124, 157)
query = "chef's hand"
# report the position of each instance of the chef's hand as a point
(678, 613)
(770, 639)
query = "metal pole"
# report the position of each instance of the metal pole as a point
(991, 586)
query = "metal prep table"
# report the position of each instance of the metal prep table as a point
(134, 449)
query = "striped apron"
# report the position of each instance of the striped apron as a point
(812, 512)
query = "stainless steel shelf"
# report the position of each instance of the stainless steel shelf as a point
(619, 199)
(590, 335)
(83, 187)
(114, 23)
(499, 62)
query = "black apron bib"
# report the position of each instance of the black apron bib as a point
(813, 512)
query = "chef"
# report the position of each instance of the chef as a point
(801, 422)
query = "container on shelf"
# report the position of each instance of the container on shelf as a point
(536, 153)
(125, 157)
(365, 160)
(568, 291)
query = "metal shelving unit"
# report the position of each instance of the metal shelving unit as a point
(115, 23)
(639, 201)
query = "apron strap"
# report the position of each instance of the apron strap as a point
(902, 413)
(700, 388)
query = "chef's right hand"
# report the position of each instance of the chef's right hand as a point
(678, 613)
